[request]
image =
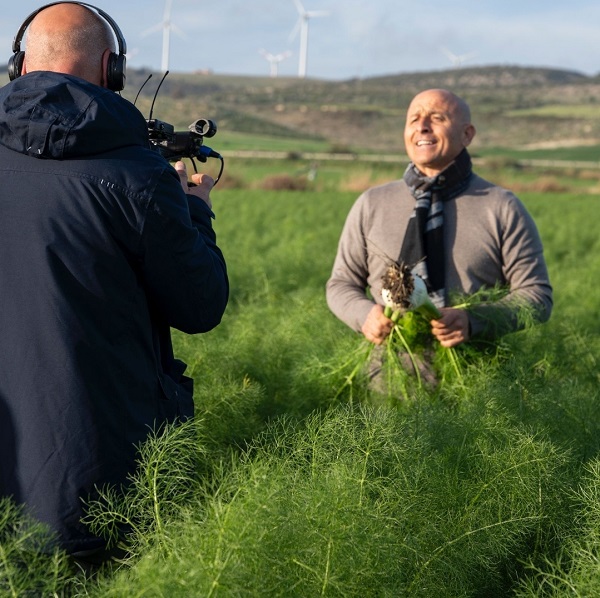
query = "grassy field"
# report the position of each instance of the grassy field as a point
(291, 482)
(563, 170)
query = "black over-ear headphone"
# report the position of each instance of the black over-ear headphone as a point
(115, 75)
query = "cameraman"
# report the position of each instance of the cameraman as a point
(103, 248)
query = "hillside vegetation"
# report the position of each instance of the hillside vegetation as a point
(515, 107)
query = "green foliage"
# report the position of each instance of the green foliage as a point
(360, 502)
(29, 565)
(283, 486)
(575, 570)
(138, 518)
(412, 363)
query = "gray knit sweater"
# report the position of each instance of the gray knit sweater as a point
(489, 238)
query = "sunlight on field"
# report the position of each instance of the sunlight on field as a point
(285, 482)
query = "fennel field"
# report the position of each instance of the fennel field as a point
(291, 483)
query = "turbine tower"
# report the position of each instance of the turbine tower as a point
(304, 17)
(166, 25)
(274, 60)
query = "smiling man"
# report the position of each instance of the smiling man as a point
(460, 232)
(438, 128)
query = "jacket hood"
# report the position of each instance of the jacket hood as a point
(57, 116)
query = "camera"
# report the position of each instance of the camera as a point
(175, 145)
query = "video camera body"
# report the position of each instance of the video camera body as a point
(175, 145)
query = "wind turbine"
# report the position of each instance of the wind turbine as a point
(274, 59)
(457, 60)
(304, 17)
(166, 25)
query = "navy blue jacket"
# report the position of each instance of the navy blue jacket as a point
(101, 253)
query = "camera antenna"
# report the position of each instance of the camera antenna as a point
(156, 94)
(142, 87)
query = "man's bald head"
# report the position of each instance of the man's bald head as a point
(438, 128)
(69, 38)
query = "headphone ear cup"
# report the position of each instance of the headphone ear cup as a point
(115, 72)
(15, 65)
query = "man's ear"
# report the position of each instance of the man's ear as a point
(468, 134)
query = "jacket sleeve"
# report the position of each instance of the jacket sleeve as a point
(184, 270)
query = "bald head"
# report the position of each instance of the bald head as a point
(69, 38)
(438, 127)
(454, 104)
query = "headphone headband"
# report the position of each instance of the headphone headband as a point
(116, 74)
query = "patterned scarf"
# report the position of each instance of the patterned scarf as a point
(423, 245)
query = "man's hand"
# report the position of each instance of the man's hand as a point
(377, 326)
(201, 183)
(452, 328)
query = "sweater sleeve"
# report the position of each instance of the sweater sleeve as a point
(524, 269)
(183, 268)
(346, 287)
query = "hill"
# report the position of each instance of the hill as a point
(512, 106)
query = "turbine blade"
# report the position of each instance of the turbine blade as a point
(153, 29)
(299, 7)
(178, 31)
(451, 56)
(295, 30)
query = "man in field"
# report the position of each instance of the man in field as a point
(103, 248)
(461, 232)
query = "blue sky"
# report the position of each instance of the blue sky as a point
(357, 38)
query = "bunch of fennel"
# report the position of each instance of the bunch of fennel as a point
(404, 294)
(403, 290)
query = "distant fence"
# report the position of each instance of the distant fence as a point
(582, 164)
(337, 157)
(394, 158)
